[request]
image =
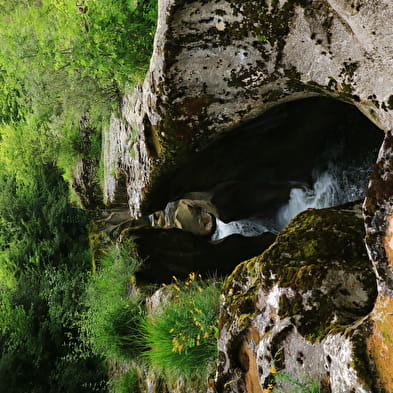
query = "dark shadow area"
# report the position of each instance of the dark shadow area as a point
(251, 170)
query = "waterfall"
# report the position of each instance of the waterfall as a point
(332, 186)
(246, 227)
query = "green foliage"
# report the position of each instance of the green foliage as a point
(285, 383)
(126, 383)
(71, 59)
(61, 62)
(44, 258)
(112, 322)
(182, 333)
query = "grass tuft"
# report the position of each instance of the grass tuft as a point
(182, 333)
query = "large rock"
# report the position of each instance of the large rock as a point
(302, 307)
(217, 64)
(378, 211)
(190, 215)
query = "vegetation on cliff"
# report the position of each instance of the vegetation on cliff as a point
(61, 62)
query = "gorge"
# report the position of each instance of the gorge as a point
(258, 110)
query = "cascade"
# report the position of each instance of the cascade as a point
(333, 186)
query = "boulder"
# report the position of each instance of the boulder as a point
(218, 64)
(187, 214)
(302, 307)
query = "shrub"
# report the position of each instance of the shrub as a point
(112, 323)
(182, 333)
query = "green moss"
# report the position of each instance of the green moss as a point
(361, 362)
(350, 68)
(315, 242)
(220, 12)
(390, 102)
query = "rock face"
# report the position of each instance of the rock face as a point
(302, 307)
(217, 64)
(378, 211)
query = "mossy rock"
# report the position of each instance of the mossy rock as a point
(321, 261)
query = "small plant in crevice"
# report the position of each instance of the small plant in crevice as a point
(182, 332)
(112, 323)
(281, 382)
(126, 383)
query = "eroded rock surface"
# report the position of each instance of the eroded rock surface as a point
(302, 307)
(378, 211)
(217, 64)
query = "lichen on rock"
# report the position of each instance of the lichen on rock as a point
(301, 298)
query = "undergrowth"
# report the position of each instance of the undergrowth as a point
(112, 322)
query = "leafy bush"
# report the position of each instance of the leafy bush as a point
(182, 333)
(112, 323)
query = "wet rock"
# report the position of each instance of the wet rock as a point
(302, 307)
(187, 214)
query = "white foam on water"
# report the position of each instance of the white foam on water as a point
(331, 187)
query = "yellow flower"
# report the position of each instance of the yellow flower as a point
(200, 289)
(174, 277)
(192, 276)
(273, 370)
(172, 330)
(176, 287)
(206, 335)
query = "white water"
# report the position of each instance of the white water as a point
(246, 227)
(331, 187)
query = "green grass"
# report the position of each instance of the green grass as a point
(182, 333)
(112, 323)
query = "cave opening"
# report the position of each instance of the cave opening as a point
(315, 152)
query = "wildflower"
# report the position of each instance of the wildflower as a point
(172, 330)
(192, 276)
(206, 335)
(174, 277)
(176, 287)
(163, 284)
(198, 310)
(200, 289)
(273, 370)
